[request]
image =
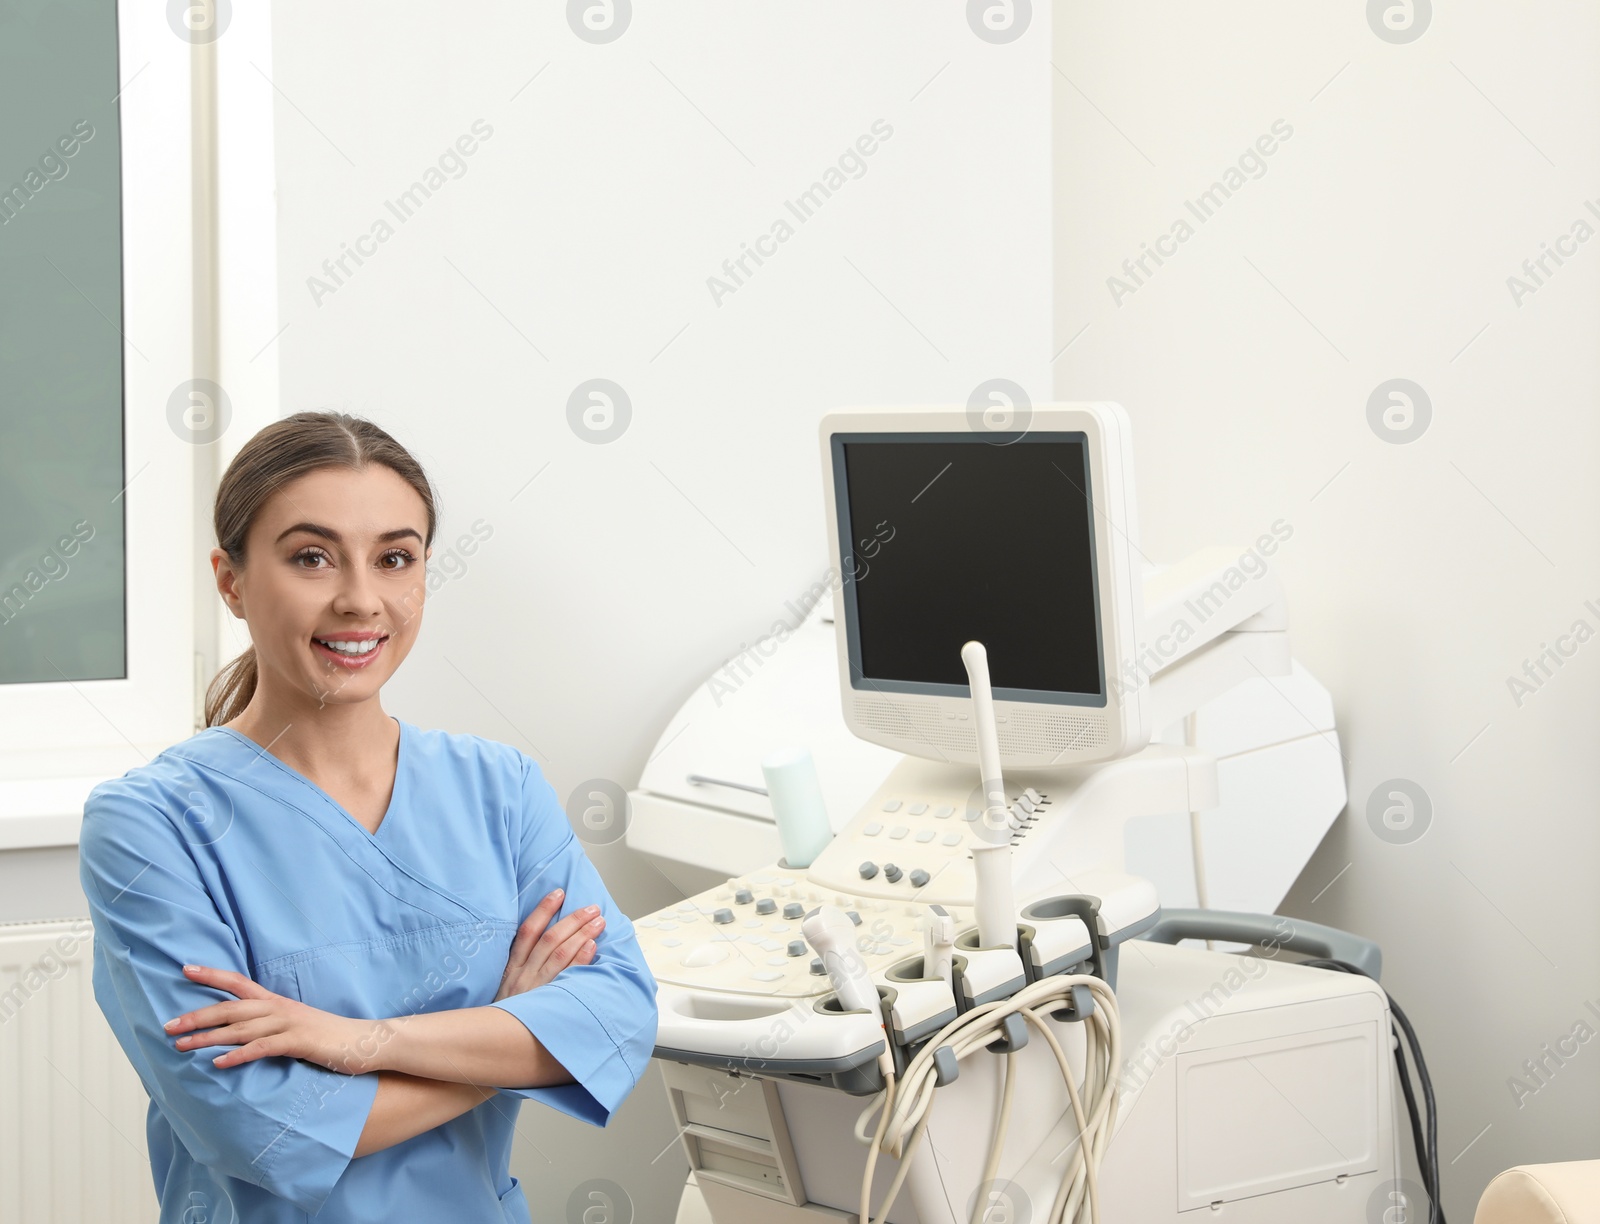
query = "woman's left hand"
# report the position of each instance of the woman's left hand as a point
(266, 1025)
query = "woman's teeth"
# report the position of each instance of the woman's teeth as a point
(350, 648)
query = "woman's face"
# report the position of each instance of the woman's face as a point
(333, 582)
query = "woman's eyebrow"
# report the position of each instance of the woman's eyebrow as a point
(328, 533)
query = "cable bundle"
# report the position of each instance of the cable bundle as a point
(905, 1108)
(1424, 1130)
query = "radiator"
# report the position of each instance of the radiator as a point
(72, 1109)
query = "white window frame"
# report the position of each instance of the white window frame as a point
(58, 739)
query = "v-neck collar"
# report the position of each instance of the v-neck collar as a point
(394, 794)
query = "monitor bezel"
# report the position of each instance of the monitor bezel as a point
(1035, 734)
(851, 611)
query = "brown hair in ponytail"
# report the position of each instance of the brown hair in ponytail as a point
(282, 452)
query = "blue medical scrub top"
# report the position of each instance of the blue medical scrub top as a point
(217, 853)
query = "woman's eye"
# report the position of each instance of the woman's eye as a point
(399, 556)
(310, 554)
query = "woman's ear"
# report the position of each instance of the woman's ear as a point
(227, 582)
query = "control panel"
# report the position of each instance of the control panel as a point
(744, 935)
(911, 847)
(912, 840)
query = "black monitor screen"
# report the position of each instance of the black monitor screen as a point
(947, 538)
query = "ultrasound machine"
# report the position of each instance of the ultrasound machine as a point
(923, 975)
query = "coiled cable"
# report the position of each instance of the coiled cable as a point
(904, 1107)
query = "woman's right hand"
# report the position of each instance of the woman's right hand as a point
(543, 949)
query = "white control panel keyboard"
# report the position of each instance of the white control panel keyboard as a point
(744, 936)
(909, 847)
(916, 845)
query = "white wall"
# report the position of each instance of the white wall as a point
(577, 245)
(1377, 245)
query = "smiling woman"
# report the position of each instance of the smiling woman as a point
(283, 501)
(336, 947)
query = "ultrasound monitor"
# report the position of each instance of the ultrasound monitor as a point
(942, 533)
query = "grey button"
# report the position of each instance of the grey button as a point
(919, 877)
(766, 905)
(722, 915)
(793, 910)
(916, 809)
(871, 829)
(944, 813)
(898, 832)
(924, 835)
(951, 839)
(816, 966)
(853, 916)
(891, 872)
(743, 897)
(868, 869)
(892, 805)
(797, 947)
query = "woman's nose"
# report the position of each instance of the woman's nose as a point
(357, 593)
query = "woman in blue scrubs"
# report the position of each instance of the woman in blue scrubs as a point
(339, 949)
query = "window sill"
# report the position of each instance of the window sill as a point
(42, 812)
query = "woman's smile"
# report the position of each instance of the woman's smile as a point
(352, 651)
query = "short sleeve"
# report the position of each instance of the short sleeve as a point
(598, 1020)
(286, 1125)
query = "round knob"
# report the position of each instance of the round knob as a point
(868, 870)
(766, 905)
(919, 877)
(743, 897)
(722, 915)
(816, 966)
(853, 916)
(891, 873)
(794, 910)
(797, 947)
